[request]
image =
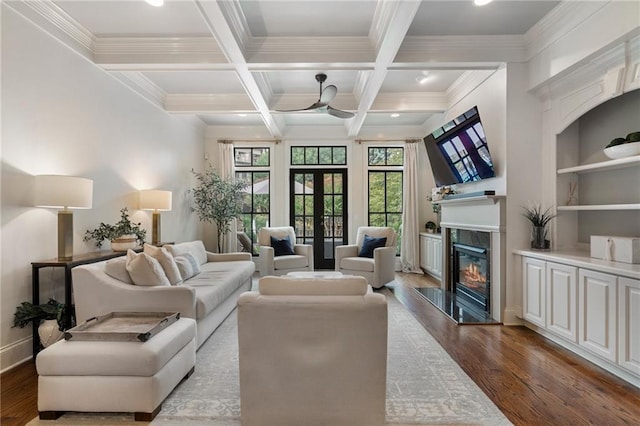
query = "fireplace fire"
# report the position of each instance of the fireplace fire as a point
(471, 275)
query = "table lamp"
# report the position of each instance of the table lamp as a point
(65, 192)
(157, 201)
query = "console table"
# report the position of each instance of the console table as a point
(68, 265)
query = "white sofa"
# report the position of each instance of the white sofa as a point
(312, 352)
(208, 297)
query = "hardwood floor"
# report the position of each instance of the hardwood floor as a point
(531, 379)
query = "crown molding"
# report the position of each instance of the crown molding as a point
(310, 49)
(382, 18)
(557, 23)
(465, 84)
(53, 20)
(480, 49)
(140, 84)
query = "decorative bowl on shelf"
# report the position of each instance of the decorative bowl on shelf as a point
(623, 150)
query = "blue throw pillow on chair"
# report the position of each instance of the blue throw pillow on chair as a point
(282, 247)
(371, 243)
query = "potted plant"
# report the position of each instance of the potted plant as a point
(539, 220)
(123, 235)
(431, 227)
(217, 201)
(48, 316)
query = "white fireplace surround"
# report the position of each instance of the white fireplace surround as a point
(485, 213)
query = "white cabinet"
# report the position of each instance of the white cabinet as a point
(561, 306)
(550, 296)
(431, 254)
(629, 325)
(534, 291)
(597, 302)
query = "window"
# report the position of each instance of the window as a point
(252, 167)
(318, 155)
(385, 187)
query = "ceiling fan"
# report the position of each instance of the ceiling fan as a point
(322, 104)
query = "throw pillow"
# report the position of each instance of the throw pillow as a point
(117, 268)
(145, 270)
(369, 244)
(282, 247)
(167, 262)
(188, 266)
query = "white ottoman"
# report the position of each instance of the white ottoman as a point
(102, 376)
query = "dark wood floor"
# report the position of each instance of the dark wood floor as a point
(532, 380)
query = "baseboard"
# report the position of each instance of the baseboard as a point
(15, 353)
(512, 317)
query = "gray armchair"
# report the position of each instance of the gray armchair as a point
(378, 269)
(301, 258)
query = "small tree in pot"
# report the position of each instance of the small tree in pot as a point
(217, 200)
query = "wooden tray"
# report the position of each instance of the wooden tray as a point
(122, 326)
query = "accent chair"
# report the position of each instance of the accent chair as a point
(371, 256)
(280, 254)
(312, 351)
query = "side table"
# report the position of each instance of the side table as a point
(68, 265)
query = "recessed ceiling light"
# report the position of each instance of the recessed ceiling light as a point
(395, 115)
(242, 115)
(481, 2)
(156, 3)
(422, 79)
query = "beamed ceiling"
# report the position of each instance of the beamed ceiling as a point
(237, 62)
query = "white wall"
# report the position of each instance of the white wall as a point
(63, 115)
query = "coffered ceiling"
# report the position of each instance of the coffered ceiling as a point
(237, 62)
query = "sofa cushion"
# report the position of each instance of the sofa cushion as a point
(371, 243)
(290, 262)
(145, 270)
(187, 265)
(294, 286)
(216, 282)
(117, 268)
(196, 248)
(282, 246)
(167, 262)
(363, 264)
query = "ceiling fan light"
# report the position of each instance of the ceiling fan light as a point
(422, 79)
(156, 3)
(481, 2)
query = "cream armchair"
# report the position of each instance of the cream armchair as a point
(312, 352)
(378, 269)
(300, 259)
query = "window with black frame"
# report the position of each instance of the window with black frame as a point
(253, 167)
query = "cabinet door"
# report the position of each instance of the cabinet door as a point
(597, 300)
(424, 252)
(561, 300)
(533, 279)
(629, 324)
(437, 256)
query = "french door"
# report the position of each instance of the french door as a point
(318, 200)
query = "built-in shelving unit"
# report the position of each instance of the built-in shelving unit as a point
(603, 165)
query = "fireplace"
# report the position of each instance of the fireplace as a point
(470, 275)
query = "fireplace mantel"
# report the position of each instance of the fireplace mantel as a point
(485, 213)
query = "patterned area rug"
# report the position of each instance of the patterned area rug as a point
(424, 385)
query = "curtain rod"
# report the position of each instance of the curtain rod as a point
(416, 140)
(227, 141)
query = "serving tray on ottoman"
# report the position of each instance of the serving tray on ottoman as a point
(122, 326)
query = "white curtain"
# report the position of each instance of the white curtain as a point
(410, 245)
(227, 171)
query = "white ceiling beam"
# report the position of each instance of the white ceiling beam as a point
(233, 51)
(391, 22)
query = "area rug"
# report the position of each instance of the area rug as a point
(424, 385)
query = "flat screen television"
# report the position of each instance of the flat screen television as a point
(458, 151)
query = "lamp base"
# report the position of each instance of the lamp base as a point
(65, 235)
(155, 229)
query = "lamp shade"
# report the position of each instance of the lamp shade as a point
(154, 199)
(63, 192)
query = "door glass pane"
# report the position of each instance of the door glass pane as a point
(337, 183)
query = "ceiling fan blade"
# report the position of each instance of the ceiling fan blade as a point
(328, 94)
(339, 113)
(312, 107)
